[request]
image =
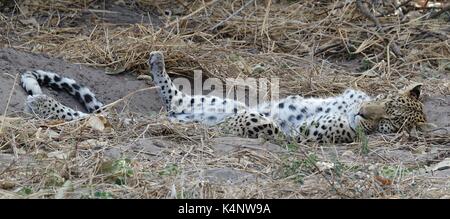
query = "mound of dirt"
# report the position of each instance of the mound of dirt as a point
(107, 88)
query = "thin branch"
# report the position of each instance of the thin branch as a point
(232, 15)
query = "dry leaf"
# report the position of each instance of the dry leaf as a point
(99, 123)
(383, 181)
(51, 134)
(7, 184)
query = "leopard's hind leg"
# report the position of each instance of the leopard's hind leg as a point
(252, 125)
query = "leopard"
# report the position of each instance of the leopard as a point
(334, 119)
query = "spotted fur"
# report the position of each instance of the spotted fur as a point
(47, 107)
(209, 110)
(324, 120)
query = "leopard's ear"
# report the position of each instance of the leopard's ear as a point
(413, 90)
(425, 126)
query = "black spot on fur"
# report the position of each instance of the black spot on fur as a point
(291, 118)
(269, 132)
(292, 107)
(248, 123)
(55, 86)
(76, 86)
(88, 98)
(327, 110)
(319, 109)
(304, 110)
(77, 96)
(351, 96)
(299, 116)
(349, 135)
(280, 105)
(56, 78)
(315, 133)
(250, 132)
(192, 101)
(180, 101)
(254, 120)
(212, 118)
(339, 107)
(46, 80)
(67, 87)
(306, 132)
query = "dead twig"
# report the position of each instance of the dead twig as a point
(365, 11)
(232, 15)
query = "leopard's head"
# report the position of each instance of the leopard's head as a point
(395, 112)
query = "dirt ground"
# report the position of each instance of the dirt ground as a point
(316, 49)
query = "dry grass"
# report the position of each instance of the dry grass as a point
(316, 48)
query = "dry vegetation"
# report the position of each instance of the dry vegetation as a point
(314, 47)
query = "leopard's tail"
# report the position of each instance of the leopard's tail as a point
(32, 81)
